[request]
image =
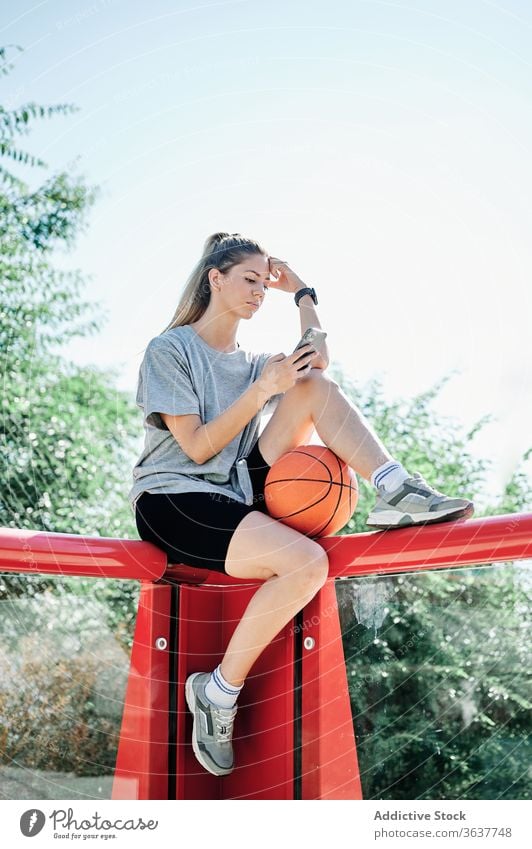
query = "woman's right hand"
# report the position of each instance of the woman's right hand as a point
(281, 372)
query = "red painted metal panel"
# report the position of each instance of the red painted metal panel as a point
(263, 736)
(329, 758)
(198, 650)
(142, 761)
(265, 730)
(88, 557)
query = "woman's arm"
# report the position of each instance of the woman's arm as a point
(309, 318)
(204, 441)
(287, 280)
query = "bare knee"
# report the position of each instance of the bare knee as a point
(263, 547)
(313, 568)
(316, 378)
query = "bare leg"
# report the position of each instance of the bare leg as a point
(270, 609)
(317, 401)
(344, 429)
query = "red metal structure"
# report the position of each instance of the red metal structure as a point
(294, 736)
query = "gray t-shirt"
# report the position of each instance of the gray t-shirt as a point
(181, 374)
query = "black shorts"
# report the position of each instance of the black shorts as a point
(196, 527)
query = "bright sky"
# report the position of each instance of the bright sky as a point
(381, 148)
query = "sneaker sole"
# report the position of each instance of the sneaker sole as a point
(191, 702)
(398, 519)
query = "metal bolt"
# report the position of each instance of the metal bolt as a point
(309, 643)
(161, 643)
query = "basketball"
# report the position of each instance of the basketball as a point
(311, 490)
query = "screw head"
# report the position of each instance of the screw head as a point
(161, 643)
(309, 643)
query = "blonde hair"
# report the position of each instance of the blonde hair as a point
(221, 251)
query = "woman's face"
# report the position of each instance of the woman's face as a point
(245, 284)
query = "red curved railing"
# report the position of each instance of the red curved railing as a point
(447, 544)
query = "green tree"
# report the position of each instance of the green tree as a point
(67, 433)
(436, 446)
(438, 664)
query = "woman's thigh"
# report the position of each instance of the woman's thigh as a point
(194, 528)
(262, 547)
(292, 422)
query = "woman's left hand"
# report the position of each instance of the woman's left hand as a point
(284, 278)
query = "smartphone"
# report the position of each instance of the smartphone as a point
(313, 336)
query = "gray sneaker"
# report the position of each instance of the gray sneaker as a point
(213, 727)
(416, 503)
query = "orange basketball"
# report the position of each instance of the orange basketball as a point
(312, 490)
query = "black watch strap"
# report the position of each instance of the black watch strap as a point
(306, 291)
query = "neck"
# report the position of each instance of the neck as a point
(218, 331)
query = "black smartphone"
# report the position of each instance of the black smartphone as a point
(313, 336)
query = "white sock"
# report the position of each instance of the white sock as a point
(389, 476)
(219, 691)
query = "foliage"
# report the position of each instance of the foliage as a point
(66, 432)
(436, 446)
(64, 428)
(62, 684)
(440, 692)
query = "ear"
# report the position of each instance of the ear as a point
(214, 278)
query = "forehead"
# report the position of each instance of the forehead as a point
(255, 262)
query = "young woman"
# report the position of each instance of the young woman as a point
(198, 488)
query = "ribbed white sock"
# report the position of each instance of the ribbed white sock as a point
(389, 476)
(219, 691)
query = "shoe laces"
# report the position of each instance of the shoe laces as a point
(223, 723)
(420, 479)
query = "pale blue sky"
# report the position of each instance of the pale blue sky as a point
(381, 148)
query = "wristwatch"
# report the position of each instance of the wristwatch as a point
(306, 291)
